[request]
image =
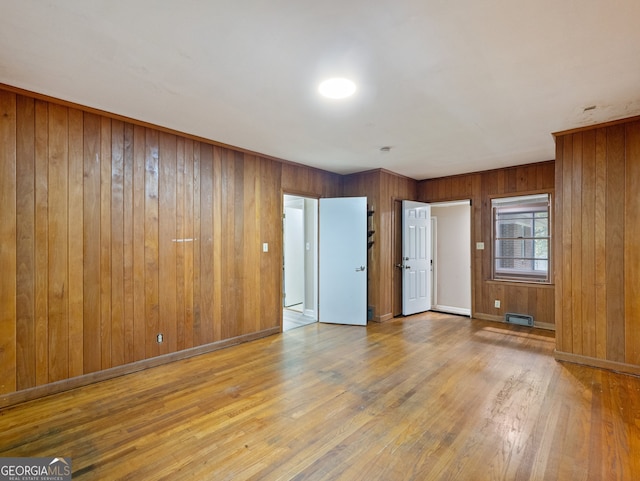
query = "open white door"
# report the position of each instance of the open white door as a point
(416, 257)
(343, 261)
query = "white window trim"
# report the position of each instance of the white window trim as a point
(518, 275)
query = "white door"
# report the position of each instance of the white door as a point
(416, 257)
(343, 261)
(293, 257)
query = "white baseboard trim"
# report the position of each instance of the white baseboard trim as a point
(310, 313)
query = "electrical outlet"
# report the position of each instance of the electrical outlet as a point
(160, 338)
(496, 304)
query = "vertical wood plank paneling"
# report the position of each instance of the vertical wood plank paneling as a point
(600, 247)
(92, 346)
(228, 240)
(632, 244)
(600, 182)
(139, 246)
(389, 185)
(270, 226)
(486, 236)
(233, 324)
(188, 228)
(180, 244)
(576, 244)
(128, 245)
(544, 304)
(197, 248)
(558, 250)
(511, 181)
(567, 204)
(530, 176)
(42, 242)
(252, 247)
(117, 244)
(75, 249)
(542, 175)
(525, 178)
(615, 243)
(207, 281)
(151, 276)
(217, 211)
(440, 189)
(167, 241)
(189, 233)
(25, 244)
(8, 241)
(587, 289)
(58, 242)
(309, 181)
(105, 241)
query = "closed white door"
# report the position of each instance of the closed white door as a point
(416, 257)
(343, 261)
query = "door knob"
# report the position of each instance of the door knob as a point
(359, 269)
(399, 266)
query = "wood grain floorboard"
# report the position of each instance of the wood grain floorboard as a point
(427, 397)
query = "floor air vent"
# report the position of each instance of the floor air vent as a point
(520, 319)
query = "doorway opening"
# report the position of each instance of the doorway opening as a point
(451, 254)
(450, 277)
(300, 261)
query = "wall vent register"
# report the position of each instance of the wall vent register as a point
(520, 319)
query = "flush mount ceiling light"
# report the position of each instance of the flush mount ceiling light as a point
(337, 88)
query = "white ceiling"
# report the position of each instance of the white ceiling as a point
(450, 86)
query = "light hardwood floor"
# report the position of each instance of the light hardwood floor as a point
(427, 397)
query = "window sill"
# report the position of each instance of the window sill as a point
(510, 282)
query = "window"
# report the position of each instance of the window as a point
(521, 238)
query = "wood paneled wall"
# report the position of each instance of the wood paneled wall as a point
(598, 245)
(111, 233)
(535, 300)
(382, 188)
(311, 182)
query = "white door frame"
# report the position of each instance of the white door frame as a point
(311, 245)
(434, 263)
